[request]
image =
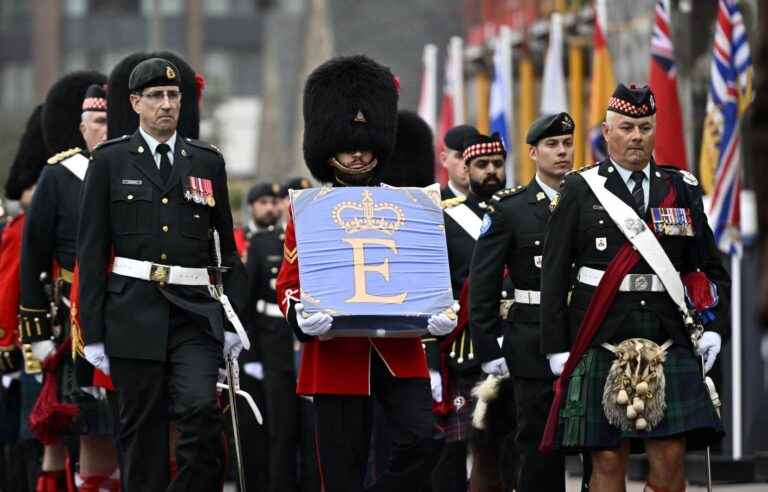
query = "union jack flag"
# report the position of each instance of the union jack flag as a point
(662, 50)
(731, 64)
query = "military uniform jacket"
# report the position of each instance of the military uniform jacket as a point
(268, 326)
(50, 232)
(462, 355)
(342, 365)
(580, 233)
(127, 210)
(513, 237)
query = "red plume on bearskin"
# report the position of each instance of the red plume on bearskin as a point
(199, 86)
(50, 418)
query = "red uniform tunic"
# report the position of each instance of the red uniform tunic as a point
(342, 366)
(10, 256)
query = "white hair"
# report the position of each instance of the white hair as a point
(611, 118)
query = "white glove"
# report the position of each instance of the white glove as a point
(709, 346)
(445, 322)
(254, 369)
(436, 383)
(42, 349)
(232, 345)
(557, 362)
(97, 356)
(9, 378)
(314, 325)
(497, 367)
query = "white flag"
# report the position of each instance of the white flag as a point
(428, 96)
(553, 94)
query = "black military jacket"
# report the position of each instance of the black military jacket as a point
(50, 231)
(265, 254)
(514, 237)
(463, 355)
(128, 210)
(580, 233)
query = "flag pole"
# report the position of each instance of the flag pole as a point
(736, 404)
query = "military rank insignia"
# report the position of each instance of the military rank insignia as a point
(672, 221)
(199, 190)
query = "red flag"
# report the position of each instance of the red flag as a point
(670, 141)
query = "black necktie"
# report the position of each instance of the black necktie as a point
(637, 191)
(165, 162)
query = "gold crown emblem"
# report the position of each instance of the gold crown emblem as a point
(366, 215)
(169, 73)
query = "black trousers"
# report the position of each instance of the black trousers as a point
(450, 472)
(538, 471)
(282, 418)
(344, 433)
(182, 389)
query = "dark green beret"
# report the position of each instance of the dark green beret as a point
(153, 72)
(263, 189)
(295, 184)
(454, 138)
(550, 125)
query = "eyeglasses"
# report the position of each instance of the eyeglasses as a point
(157, 96)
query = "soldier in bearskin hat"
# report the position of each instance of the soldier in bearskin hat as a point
(627, 242)
(22, 453)
(350, 126)
(74, 123)
(159, 201)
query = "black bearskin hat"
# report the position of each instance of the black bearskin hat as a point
(350, 103)
(30, 158)
(123, 120)
(63, 108)
(413, 160)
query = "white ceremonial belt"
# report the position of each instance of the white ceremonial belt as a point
(156, 272)
(527, 296)
(632, 282)
(270, 309)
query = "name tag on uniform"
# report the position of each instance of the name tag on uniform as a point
(132, 182)
(672, 221)
(199, 190)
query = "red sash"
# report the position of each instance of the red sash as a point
(624, 261)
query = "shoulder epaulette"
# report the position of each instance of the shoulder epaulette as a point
(452, 202)
(506, 193)
(687, 176)
(63, 155)
(203, 145)
(582, 169)
(111, 141)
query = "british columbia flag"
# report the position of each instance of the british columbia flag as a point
(731, 64)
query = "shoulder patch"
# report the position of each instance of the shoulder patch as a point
(111, 141)
(452, 202)
(63, 155)
(203, 145)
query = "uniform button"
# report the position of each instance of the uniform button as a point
(273, 270)
(601, 221)
(129, 197)
(161, 284)
(165, 200)
(642, 303)
(163, 256)
(165, 228)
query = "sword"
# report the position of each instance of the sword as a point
(696, 330)
(230, 363)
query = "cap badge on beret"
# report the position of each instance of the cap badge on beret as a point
(169, 72)
(567, 122)
(275, 188)
(360, 117)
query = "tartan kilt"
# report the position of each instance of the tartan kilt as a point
(689, 413)
(456, 425)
